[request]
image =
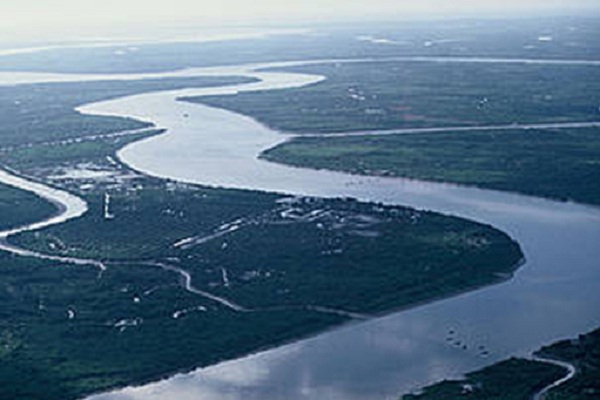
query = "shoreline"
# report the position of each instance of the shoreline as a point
(307, 336)
(433, 180)
(351, 322)
(287, 136)
(312, 335)
(68, 206)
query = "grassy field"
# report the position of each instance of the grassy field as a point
(45, 112)
(519, 379)
(394, 95)
(561, 164)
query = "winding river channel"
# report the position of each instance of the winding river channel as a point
(554, 295)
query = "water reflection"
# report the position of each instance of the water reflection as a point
(553, 296)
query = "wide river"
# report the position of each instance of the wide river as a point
(554, 295)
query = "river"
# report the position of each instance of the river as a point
(554, 295)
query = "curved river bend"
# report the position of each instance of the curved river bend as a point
(554, 295)
(69, 207)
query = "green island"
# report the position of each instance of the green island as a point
(67, 330)
(555, 163)
(520, 379)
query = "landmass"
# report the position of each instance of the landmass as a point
(198, 275)
(184, 285)
(523, 379)
(554, 162)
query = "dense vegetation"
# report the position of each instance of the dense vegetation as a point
(13, 200)
(45, 112)
(400, 94)
(112, 339)
(151, 214)
(409, 256)
(66, 331)
(584, 353)
(355, 257)
(519, 379)
(561, 164)
(91, 352)
(513, 379)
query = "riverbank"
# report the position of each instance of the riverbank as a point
(557, 163)
(66, 206)
(513, 379)
(202, 127)
(538, 135)
(564, 370)
(131, 307)
(157, 205)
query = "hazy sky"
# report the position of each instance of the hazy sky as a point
(34, 17)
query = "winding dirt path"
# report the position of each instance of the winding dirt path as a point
(188, 285)
(571, 371)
